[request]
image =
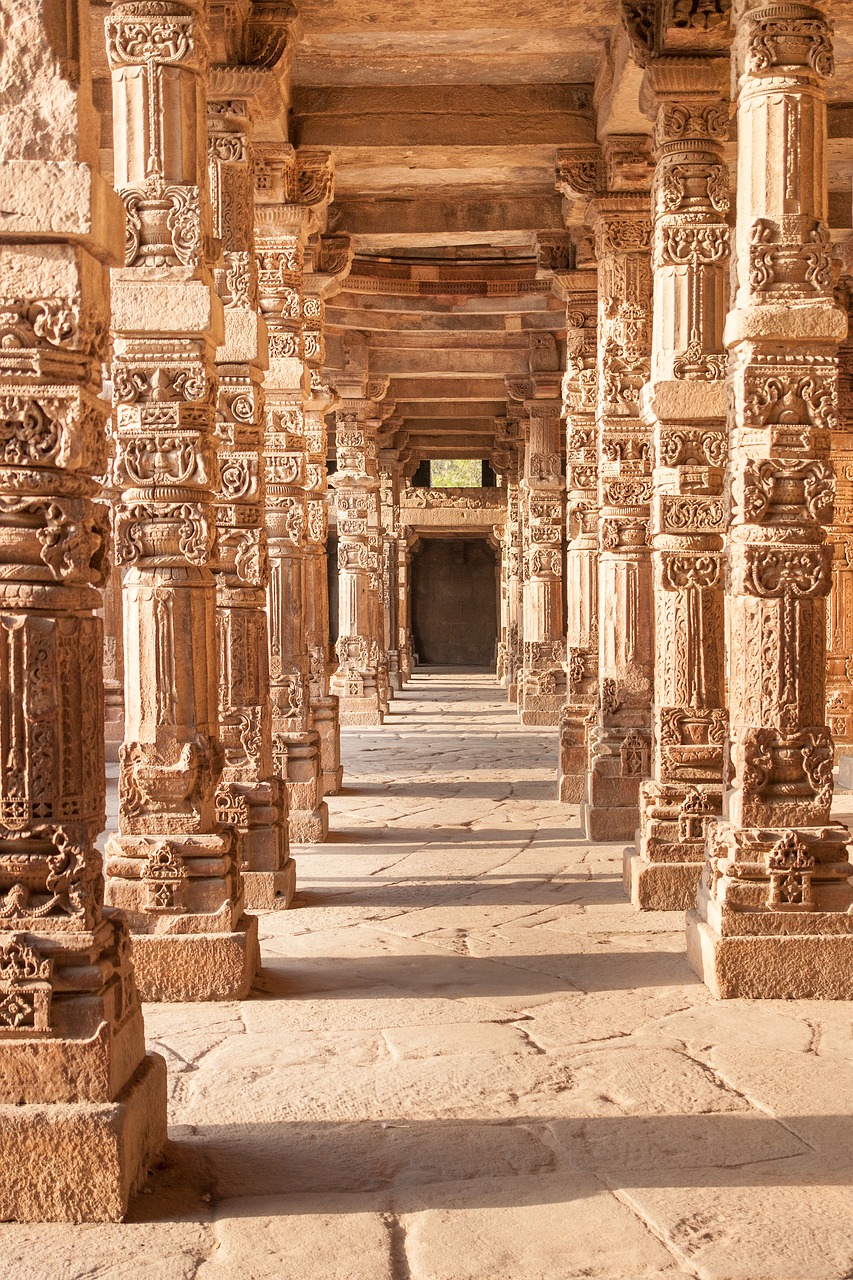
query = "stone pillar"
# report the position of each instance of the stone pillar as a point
(358, 678)
(82, 1109)
(619, 739)
(542, 680)
(174, 868)
(506, 461)
(325, 718)
(113, 627)
(839, 638)
(331, 262)
(405, 643)
(579, 402)
(684, 404)
(293, 189)
(774, 916)
(250, 796)
(389, 495)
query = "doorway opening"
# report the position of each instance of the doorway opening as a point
(455, 602)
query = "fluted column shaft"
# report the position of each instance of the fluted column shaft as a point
(173, 867)
(250, 796)
(684, 405)
(773, 916)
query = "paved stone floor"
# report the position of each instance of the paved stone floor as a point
(469, 1059)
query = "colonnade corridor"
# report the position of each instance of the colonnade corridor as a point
(468, 1058)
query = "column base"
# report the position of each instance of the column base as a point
(309, 826)
(544, 716)
(332, 781)
(512, 692)
(659, 886)
(354, 712)
(799, 966)
(570, 788)
(197, 966)
(82, 1161)
(325, 720)
(611, 824)
(270, 890)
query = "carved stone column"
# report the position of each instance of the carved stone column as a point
(839, 639)
(325, 718)
(358, 678)
(619, 740)
(293, 189)
(173, 867)
(390, 467)
(685, 406)
(331, 263)
(775, 904)
(250, 796)
(506, 460)
(579, 403)
(405, 644)
(82, 1109)
(542, 679)
(113, 626)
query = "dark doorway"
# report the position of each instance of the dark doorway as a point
(455, 602)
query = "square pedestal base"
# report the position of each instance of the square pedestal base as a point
(309, 826)
(571, 788)
(82, 1161)
(615, 823)
(332, 780)
(659, 886)
(270, 890)
(786, 967)
(197, 966)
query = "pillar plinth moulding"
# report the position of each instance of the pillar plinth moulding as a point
(774, 915)
(839, 640)
(579, 402)
(173, 867)
(250, 796)
(358, 679)
(684, 404)
(292, 192)
(619, 737)
(82, 1108)
(541, 682)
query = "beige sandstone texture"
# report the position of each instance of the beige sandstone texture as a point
(469, 1058)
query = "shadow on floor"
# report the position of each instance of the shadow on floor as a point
(532, 1159)
(455, 976)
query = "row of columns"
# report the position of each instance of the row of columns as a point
(202, 279)
(704, 555)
